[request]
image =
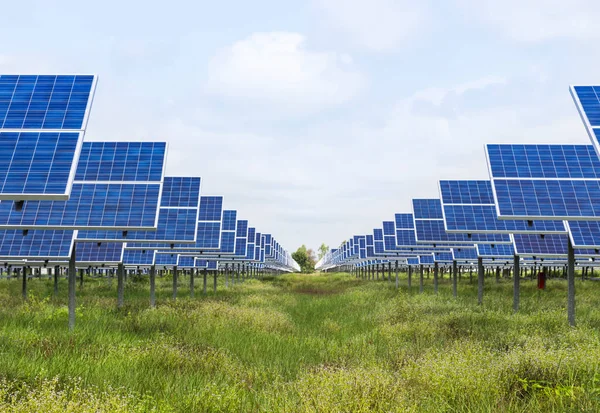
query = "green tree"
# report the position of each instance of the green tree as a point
(305, 259)
(323, 249)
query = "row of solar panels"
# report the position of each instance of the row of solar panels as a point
(104, 202)
(538, 200)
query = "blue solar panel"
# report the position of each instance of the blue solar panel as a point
(37, 165)
(427, 209)
(389, 242)
(535, 245)
(543, 161)
(539, 199)
(138, 257)
(378, 234)
(251, 235)
(240, 247)
(167, 259)
(186, 261)
(121, 161)
(433, 232)
(585, 234)
(92, 253)
(404, 221)
(227, 242)
(201, 263)
(466, 192)
(211, 208)
(36, 244)
(92, 206)
(426, 259)
(229, 220)
(45, 102)
(389, 228)
(588, 105)
(413, 261)
(442, 257)
(495, 251)
(242, 230)
(181, 192)
(406, 237)
(464, 253)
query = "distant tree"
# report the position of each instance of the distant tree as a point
(305, 259)
(323, 249)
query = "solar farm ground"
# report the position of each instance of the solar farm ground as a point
(326, 343)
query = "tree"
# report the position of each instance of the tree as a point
(323, 249)
(305, 259)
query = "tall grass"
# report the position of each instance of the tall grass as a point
(300, 343)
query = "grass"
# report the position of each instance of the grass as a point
(308, 343)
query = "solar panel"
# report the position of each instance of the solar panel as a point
(138, 257)
(588, 105)
(426, 259)
(36, 244)
(464, 253)
(427, 209)
(90, 253)
(56, 102)
(495, 251)
(177, 218)
(413, 261)
(186, 261)
(404, 221)
(469, 207)
(443, 257)
(37, 165)
(211, 208)
(546, 246)
(566, 187)
(433, 232)
(166, 259)
(584, 234)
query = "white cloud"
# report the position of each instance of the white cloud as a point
(533, 21)
(381, 25)
(277, 69)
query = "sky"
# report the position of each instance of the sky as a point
(318, 119)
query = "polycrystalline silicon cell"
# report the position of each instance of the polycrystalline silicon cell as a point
(186, 261)
(242, 229)
(494, 251)
(483, 218)
(404, 221)
(389, 228)
(378, 247)
(45, 102)
(426, 259)
(378, 234)
(466, 192)
(543, 161)
(443, 257)
(250, 251)
(37, 165)
(138, 257)
(240, 247)
(91, 206)
(36, 244)
(389, 242)
(427, 209)
(211, 208)
(229, 220)
(91, 252)
(535, 245)
(168, 259)
(180, 192)
(406, 237)
(585, 234)
(567, 199)
(227, 242)
(121, 161)
(433, 231)
(464, 253)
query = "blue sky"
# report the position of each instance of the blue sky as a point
(318, 119)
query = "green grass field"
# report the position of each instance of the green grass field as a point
(322, 343)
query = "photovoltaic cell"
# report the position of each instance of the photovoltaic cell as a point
(181, 192)
(211, 208)
(495, 251)
(138, 257)
(94, 254)
(543, 161)
(584, 234)
(413, 261)
(229, 220)
(186, 261)
(563, 184)
(464, 253)
(426, 259)
(466, 192)
(404, 221)
(37, 165)
(165, 259)
(433, 232)
(389, 228)
(45, 102)
(36, 244)
(442, 257)
(427, 209)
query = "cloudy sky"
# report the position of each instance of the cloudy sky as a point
(318, 119)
